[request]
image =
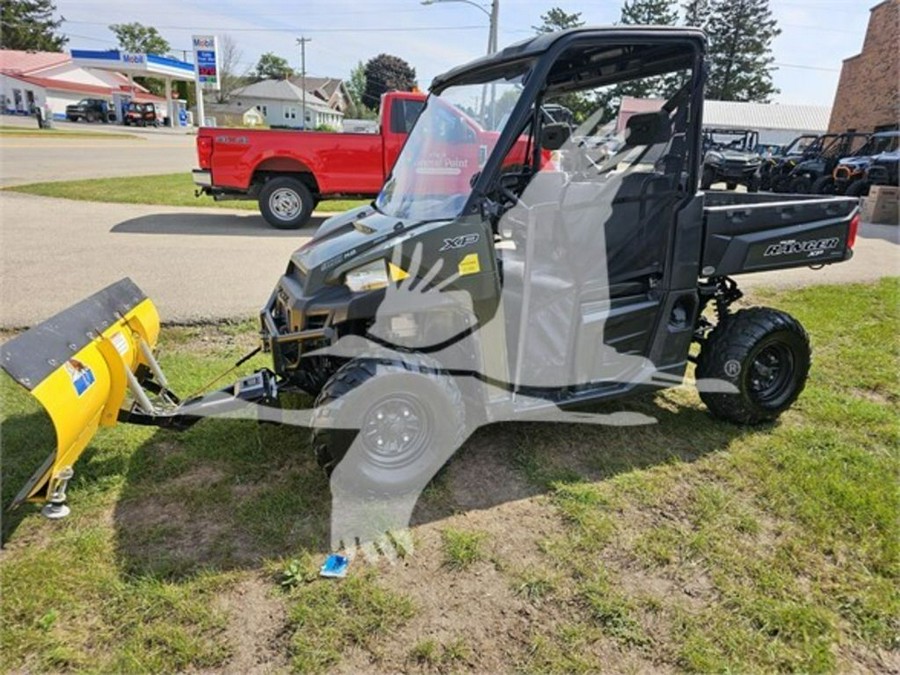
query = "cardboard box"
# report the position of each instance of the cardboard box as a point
(886, 192)
(881, 211)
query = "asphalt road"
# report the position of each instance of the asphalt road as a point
(204, 264)
(32, 159)
(196, 264)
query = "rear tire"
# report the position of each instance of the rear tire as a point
(859, 188)
(413, 390)
(823, 185)
(285, 203)
(753, 184)
(765, 354)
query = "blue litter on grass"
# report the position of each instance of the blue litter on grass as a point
(335, 566)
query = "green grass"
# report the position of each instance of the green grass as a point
(690, 545)
(173, 189)
(462, 549)
(24, 132)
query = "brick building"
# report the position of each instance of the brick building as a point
(868, 94)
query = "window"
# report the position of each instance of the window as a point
(263, 109)
(404, 114)
(290, 112)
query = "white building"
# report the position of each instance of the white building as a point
(30, 79)
(777, 123)
(281, 101)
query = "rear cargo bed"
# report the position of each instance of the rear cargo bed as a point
(750, 232)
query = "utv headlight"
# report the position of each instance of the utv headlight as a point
(368, 277)
(715, 158)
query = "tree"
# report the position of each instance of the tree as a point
(386, 73)
(643, 13)
(696, 13)
(556, 19)
(740, 50)
(356, 87)
(140, 39)
(272, 67)
(231, 76)
(29, 25)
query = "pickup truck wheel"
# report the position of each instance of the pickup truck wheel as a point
(91, 117)
(823, 185)
(396, 422)
(285, 203)
(765, 355)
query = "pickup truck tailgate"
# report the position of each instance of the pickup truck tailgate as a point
(754, 232)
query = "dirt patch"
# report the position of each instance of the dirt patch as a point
(257, 629)
(871, 395)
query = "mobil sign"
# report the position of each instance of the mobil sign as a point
(206, 55)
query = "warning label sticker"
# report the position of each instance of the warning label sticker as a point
(469, 265)
(81, 375)
(120, 343)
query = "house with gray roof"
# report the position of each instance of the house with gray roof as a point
(281, 103)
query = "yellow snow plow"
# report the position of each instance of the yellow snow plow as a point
(91, 366)
(79, 364)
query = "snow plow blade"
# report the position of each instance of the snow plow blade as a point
(79, 364)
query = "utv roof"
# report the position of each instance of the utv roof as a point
(543, 42)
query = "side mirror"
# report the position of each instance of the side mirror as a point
(554, 136)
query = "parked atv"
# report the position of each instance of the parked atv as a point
(476, 289)
(729, 157)
(811, 172)
(849, 176)
(773, 168)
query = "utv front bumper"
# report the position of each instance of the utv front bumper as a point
(294, 323)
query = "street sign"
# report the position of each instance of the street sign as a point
(206, 56)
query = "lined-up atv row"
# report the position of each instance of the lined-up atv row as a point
(834, 164)
(511, 268)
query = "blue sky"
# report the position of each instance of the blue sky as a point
(816, 34)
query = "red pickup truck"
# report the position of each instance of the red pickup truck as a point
(289, 172)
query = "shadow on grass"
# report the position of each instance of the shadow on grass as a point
(27, 439)
(228, 224)
(230, 494)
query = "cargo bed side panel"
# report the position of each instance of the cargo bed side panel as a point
(765, 235)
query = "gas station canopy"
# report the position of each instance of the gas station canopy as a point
(146, 65)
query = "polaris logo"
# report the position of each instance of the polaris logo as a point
(459, 242)
(814, 247)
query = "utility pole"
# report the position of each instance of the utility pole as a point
(302, 42)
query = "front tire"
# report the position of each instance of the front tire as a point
(801, 185)
(823, 185)
(285, 203)
(389, 424)
(707, 178)
(731, 186)
(763, 353)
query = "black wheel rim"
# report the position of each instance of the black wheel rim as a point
(771, 373)
(395, 430)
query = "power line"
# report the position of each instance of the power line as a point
(408, 29)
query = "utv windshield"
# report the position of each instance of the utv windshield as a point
(448, 146)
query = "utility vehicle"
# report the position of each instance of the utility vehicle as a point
(850, 175)
(730, 158)
(811, 172)
(772, 168)
(500, 285)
